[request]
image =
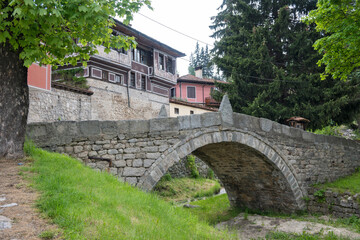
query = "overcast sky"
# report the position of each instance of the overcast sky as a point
(191, 17)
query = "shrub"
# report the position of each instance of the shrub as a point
(192, 166)
(210, 174)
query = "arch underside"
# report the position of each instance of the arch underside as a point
(254, 174)
(249, 178)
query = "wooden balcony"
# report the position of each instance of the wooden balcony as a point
(115, 56)
(210, 102)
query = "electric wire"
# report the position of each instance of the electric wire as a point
(172, 29)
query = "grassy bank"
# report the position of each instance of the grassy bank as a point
(182, 189)
(91, 205)
(347, 184)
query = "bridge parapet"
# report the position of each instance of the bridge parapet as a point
(141, 151)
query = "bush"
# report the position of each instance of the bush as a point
(210, 174)
(192, 166)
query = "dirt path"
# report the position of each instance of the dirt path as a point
(256, 226)
(19, 220)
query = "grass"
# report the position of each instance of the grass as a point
(215, 209)
(303, 236)
(91, 205)
(346, 184)
(182, 189)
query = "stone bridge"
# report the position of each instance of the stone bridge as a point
(262, 164)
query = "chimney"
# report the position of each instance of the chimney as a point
(199, 72)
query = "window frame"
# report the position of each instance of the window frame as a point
(187, 92)
(96, 69)
(131, 80)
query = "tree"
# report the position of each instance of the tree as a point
(201, 58)
(266, 52)
(339, 21)
(48, 32)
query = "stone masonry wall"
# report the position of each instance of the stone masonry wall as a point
(180, 169)
(338, 204)
(109, 102)
(58, 105)
(141, 151)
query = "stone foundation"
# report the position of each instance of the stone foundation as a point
(338, 204)
(180, 169)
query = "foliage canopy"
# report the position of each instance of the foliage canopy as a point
(267, 54)
(47, 31)
(340, 45)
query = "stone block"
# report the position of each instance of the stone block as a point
(133, 172)
(164, 124)
(131, 180)
(119, 163)
(69, 150)
(128, 156)
(83, 155)
(266, 124)
(195, 121)
(148, 163)
(108, 146)
(89, 128)
(137, 163)
(140, 155)
(184, 122)
(153, 155)
(307, 136)
(109, 127)
(150, 149)
(113, 171)
(131, 150)
(96, 147)
(78, 149)
(139, 126)
(296, 132)
(113, 151)
(210, 119)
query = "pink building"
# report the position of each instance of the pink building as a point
(195, 89)
(39, 76)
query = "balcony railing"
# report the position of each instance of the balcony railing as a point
(115, 56)
(210, 102)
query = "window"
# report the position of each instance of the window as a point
(105, 75)
(191, 92)
(169, 65)
(161, 62)
(143, 82)
(191, 112)
(118, 78)
(173, 92)
(86, 72)
(176, 110)
(96, 73)
(140, 55)
(112, 78)
(132, 80)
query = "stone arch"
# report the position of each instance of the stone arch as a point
(292, 195)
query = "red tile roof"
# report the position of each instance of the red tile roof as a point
(192, 78)
(172, 100)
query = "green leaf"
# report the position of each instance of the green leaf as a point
(42, 11)
(83, 9)
(29, 2)
(17, 11)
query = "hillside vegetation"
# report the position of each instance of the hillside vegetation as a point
(92, 205)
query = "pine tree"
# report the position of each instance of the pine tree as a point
(201, 58)
(266, 52)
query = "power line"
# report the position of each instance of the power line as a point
(172, 29)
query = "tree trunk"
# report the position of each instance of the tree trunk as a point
(14, 103)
